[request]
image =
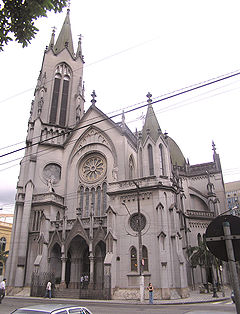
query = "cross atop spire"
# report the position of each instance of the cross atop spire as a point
(149, 95)
(93, 101)
(213, 147)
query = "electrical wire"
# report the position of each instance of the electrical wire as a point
(169, 96)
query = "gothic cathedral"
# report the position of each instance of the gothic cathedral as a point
(98, 203)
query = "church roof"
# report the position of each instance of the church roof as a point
(176, 153)
(65, 37)
(151, 126)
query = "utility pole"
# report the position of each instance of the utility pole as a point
(232, 264)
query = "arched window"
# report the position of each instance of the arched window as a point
(162, 170)
(199, 238)
(145, 258)
(131, 167)
(133, 259)
(141, 163)
(150, 160)
(98, 201)
(58, 113)
(3, 242)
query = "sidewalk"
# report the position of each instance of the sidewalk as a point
(195, 297)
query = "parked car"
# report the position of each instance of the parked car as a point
(232, 296)
(53, 309)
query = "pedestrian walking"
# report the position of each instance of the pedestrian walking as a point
(2, 289)
(150, 290)
(82, 282)
(49, 290)
(86, 281)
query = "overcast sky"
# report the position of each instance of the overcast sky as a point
(133, 47)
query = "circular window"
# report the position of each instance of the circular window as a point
(134, 222)
(93, 168)
(53, 172)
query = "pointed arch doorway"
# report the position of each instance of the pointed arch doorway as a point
(77, 262)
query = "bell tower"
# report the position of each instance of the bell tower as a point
(59, 94)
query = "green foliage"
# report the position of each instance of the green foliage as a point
(3, 256)
(200, 255)
(17, 18)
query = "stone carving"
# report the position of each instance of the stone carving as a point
(115, 173)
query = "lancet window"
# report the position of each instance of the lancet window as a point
(150, 160)
(58, 113)
(94, 199)
(162, 163)
(133, 255)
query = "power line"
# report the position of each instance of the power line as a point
(169, 96)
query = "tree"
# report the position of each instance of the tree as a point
(17, 18)
(201, 256)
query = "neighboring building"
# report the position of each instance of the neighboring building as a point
(232, 190)
(5, 237)
(82, 181)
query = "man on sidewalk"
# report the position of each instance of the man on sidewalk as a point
(2, 289)
(49, 290)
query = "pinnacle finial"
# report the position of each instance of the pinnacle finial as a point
(213, 147)
(149, 95)
(93, 101)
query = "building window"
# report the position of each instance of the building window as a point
(36, 220)
(58, 113)
(162, 172)
(150, 160)
(131, 167)
(3, 242)
(141, 162)
(145, 258)
(1, 268)
(133, 259)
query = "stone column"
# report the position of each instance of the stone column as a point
(165, 281)
(64, 260)
(23, 238)
(91, 259)
(11, 263)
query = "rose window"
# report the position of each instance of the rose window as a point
(135, 223)
(93, 168)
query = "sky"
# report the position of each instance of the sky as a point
(132, 47)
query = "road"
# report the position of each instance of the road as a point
(103, 307)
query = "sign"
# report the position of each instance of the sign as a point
(215, 238)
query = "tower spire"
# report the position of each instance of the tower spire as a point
(65, 37)
(151, 126)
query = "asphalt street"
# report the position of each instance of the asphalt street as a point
(104, 307)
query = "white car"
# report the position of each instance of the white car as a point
(52, 309)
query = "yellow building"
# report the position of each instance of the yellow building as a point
(5, 237)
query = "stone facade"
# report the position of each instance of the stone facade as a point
(90, 192)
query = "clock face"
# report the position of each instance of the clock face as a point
(52, 171)
(92, 168)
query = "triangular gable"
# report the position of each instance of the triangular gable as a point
(110, 210)
(77, 229)
(55, 238)
(99, 235)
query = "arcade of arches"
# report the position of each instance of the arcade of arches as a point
(78, 261)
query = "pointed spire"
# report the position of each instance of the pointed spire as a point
(151, 126)
(79, 48)
(51, 44)
(65, 37)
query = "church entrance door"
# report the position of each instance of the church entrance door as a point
(77, 262)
